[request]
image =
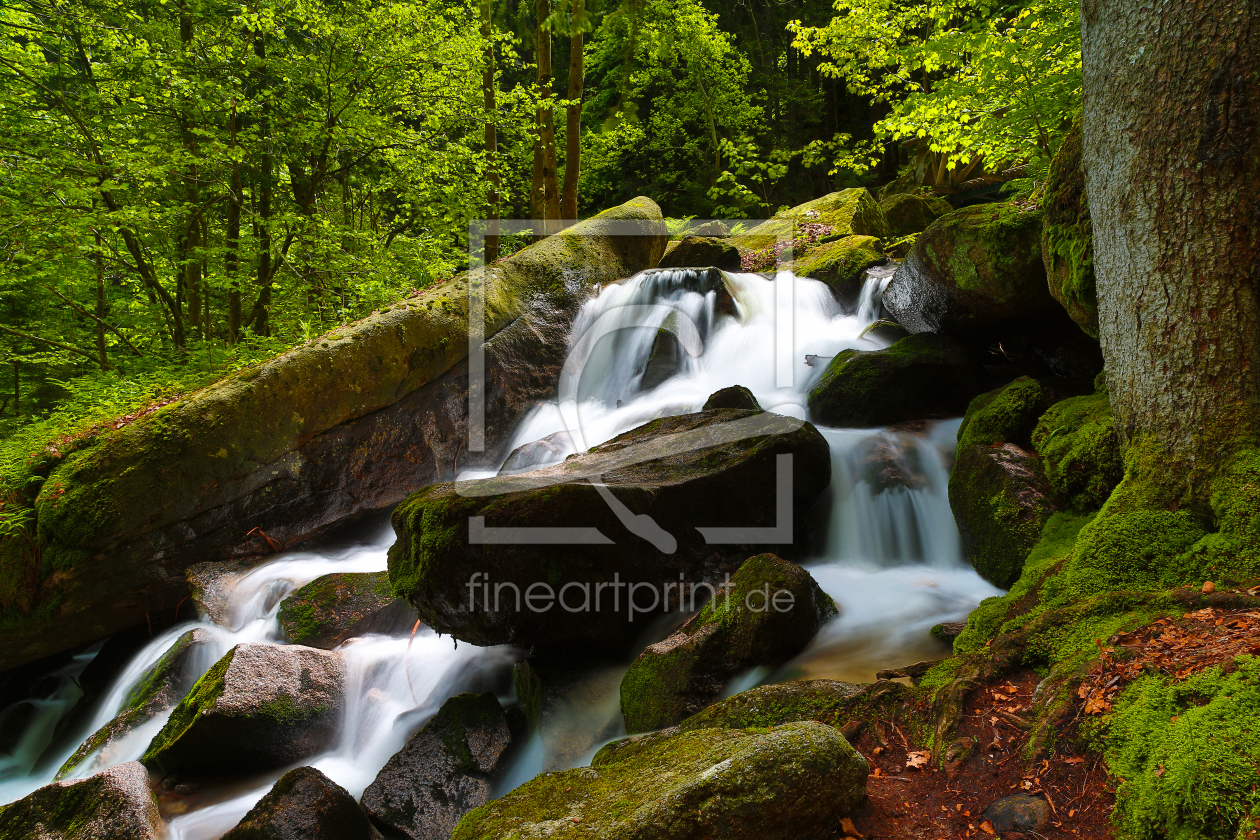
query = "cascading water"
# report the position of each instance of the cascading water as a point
(657, 344)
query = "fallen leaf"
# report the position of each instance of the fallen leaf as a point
(916, 760)
(1160, 771)
(987, 827)
(1076, 759)
(1208, 587)
(850, 830)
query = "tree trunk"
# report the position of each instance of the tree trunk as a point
(573, 118)
(232, 242)
(1172, 163)
(100, 302)
(262, 304)
(492, 136)
(545, 190)
(190, 267)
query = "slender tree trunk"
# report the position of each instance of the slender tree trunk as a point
(232, 242)
(190, 266)
(262, 304)
(100, 302)
(492, 136)
(546, 123)
(1172, 163)
(573, 118)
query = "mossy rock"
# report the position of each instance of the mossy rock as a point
(158, 690)
(796, 780)
(1067, 237)
(884, 331)
(972, 273)
(824, 701)
(444, 770)
(920, 376)
(848, 212)
(714, 469)
(908, 213)
(304, 804)
(1080, 450)
(700, 251)
(1001, 502)
(275, 446)
(734, 396)
(116, 804)
(260, 707)
(333, 608)
(904, 184)
(766, 614)
(840, 264)
(1004, 415)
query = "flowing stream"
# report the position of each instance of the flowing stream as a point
(887, 548)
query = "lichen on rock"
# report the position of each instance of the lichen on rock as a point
(335, 607)
(304, 804)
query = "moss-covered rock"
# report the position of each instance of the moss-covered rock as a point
(825, 701)
(1001, 502)
(908, 213)
(795, 780)
(259, 707)
(714, 469)
(113, 805)
(348, 423)
(735, 396)
(160, 689)
(848, 212)
(1080, 451)
(840, 264)
(920, 376)
(699, 251)
(304, 804)
(766, 614)
(972, 273)
(333, 608)
(1005, 415)
(444, 770)
(885, 332)
(1067, 236)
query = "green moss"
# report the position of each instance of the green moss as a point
(1067, 238)
(1185, 754)
(990, 249)
(202, 697)
(1077, 441)
(907, 213)
(825, 701)
(1004, 415)
(848, 212)
(840, 263)
(322, 612)
(1136, 550)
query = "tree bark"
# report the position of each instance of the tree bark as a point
(1172, 172)
(573, 118)
(100, 301)
(545, 190)
(232, 241)
(262, 304)
(492, 136)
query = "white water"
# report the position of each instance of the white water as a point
(890, 559)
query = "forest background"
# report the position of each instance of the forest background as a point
(190, 186)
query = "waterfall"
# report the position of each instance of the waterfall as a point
(657, 344)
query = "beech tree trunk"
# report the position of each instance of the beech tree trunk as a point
(1172, 173)
(492, 136)
(573, 118)
(545, 197)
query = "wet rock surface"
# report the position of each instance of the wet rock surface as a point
(768, 612)
(548, 450)
(920, 376)
(889, 461)
(304, 804)
(696, 251)
(564, 696)
(660, 484)
(736, 396)
(795, 780)
(333, 608)
(443, 772)
(259, 707)
(113, 805)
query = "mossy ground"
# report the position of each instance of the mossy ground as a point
(1080, 448)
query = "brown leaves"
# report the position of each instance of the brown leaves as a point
(917, 760)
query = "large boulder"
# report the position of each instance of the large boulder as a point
(908, 213)
(1001, 501)
(919, 377)
(1067, 236)
(158, 691)
(826, 701)
(304, 804)
(732, 396)
(699, 251)
(841, 264)
(666, 491)
(764, 615)
(348, 423)
(116, 804)
(847, 212)
(1080, 448)
(973, 274)
(443, 772)
(796, 780)
(259, 707)
(1004, 415)
(339, 606)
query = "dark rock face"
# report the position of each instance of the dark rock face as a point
(1001, 500)
(736, 396)
(1018, 813)
(336, 607)
(920, 376)
(767, 614)
(665, 481)
(372, 412)
(114, 805)
(443, 772)
(259, 707)
(304, 804)
(972, 274)
(1067, 239)
(908, 213)
(698, 251)
(795, 781)
(160, 689)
